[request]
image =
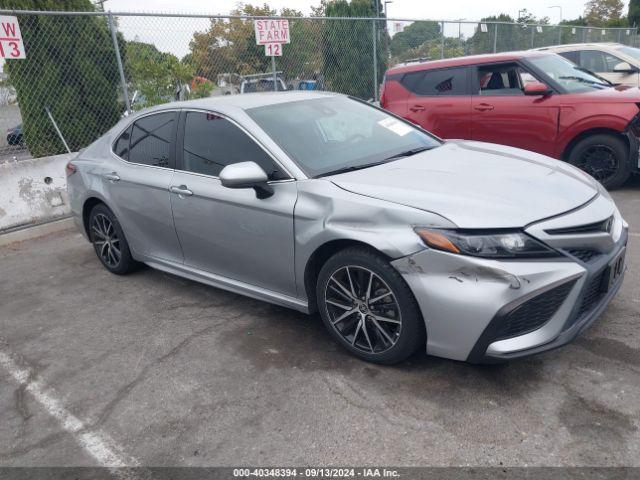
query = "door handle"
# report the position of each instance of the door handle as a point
(112, 177)
(483, 107)
(181, 191)
(417, 108)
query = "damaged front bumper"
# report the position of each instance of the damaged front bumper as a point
(482, 310)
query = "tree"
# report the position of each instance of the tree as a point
(156, 75)
(229, 47)
(347, 48)
(71, 69)
(414, 36)
(634, 13)
(603, 13)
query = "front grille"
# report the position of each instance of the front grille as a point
(603, 226)
(583, 254)
(534, 313)
(593, 292)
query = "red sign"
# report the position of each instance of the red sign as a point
(11, 45)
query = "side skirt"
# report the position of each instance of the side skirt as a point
(225, 283)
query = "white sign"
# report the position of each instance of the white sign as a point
(271, 31)
(11, 45)
(273, 49)
(483, 28)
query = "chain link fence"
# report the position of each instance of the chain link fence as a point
(85, 70)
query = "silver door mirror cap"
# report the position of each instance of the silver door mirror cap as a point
(246, 175)
(624, 67)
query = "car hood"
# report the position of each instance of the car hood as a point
(476, 185)
(617, 94)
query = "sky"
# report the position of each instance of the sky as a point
(427, 9)
(173, 34)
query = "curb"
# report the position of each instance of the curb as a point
(36, 231)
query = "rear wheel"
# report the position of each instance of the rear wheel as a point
(368, 308)
(109, 242)
(604, 157)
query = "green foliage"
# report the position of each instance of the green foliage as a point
(347, 48)
(155, 75)
(604, 13)
(70, 68)
(413, 37)
(229, 46)
(634, 13)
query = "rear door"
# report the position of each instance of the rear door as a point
(440, 101)
(503, 114)
(138, 185)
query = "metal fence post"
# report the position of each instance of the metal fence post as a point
(559, 35)
(495, 38)
(273, 71)
(533, 34)
(375, 60)
(442, 39)
(125, 90)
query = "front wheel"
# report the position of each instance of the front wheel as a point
(604, 157)
(368, 308)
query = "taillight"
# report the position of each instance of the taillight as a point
(70, 169)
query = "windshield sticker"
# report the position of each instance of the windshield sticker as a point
(395, 126)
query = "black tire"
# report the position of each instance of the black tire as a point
(99, 217)
(373, 345)
(604, 157)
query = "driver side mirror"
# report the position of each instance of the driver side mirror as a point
(536, 88)
(624, 67)
(246, 175)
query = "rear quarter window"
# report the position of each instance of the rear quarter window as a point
(445, 82)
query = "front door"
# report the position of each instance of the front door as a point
(225, 231)
(503, 114)
(604, 63)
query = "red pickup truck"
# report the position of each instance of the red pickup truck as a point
(537, 101)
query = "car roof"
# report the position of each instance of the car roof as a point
(464, 61)
(229, 104)
(579, 46)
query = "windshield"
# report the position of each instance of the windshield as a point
(632, 52)
(327, 135)
(570, 77)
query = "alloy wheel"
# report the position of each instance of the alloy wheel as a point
(363, 309)
(105, 240)
(599, 161)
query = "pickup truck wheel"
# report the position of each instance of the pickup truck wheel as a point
(604, 157)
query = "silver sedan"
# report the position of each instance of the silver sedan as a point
(322, 203)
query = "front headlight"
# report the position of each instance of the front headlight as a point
(487, 245)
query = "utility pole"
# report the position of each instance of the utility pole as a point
(559, 22)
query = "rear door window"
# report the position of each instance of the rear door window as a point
(445, 82)
(151, 139)
(121, 147)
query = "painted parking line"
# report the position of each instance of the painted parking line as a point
(97, 444)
